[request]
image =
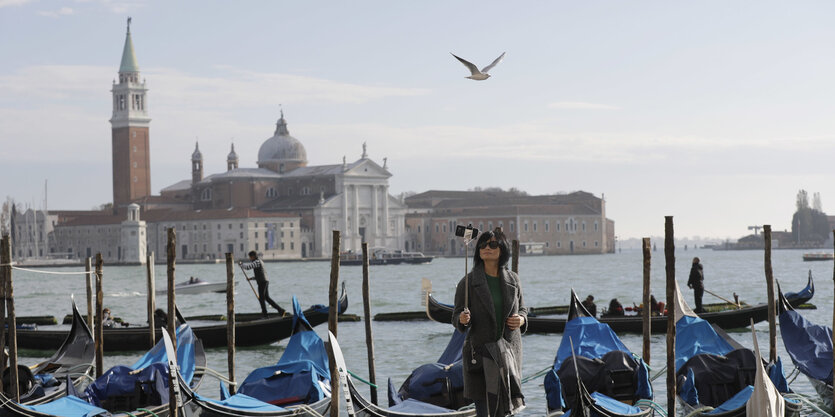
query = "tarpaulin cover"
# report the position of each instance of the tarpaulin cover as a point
(418, 407)
(695, 336)
(120, 380)
(430, 380)
(243, 402)
(809, 345)
(592, 340)
(68, 407)
(612, 405)
(394, 397)
(717, 378)
(296, 378)
(735, 402)
(185, 353)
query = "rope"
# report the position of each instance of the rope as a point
(147, 411)
(663, 371)
(538, 374)
(361, 380)
(653, 405)
(216, 374)
(806, 401)
(698, 411)
(308, 410)
(40, 271)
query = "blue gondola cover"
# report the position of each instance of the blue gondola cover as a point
(428, 380)
(70, 406)
(301, 376)
(808, 344)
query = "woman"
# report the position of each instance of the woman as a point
(489, 308)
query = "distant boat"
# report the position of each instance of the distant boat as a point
(819, 256)
(382, 256)
(197, 286)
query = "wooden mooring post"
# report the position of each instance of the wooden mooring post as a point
(5, 266)
(670, 260)
(171, 251)
(333, 310)
(369, 338)
(88, 279)
(230, 320)
(772, 312)
(98, 320)
(647, 311)
(11, 320)
(152, 299)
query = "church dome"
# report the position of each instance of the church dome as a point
(282, 152)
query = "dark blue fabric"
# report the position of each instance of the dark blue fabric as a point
(118, 380)
(809, 345)
(695, 336)
(418, 407)
(301, 375)
(394, 398)
(736, 402)
(777, 377)
(644, 384)
(153, 375)
(689, 393)
(68, 407)
(454, 349)
(591, 339)
(298, 316)
(224, 391)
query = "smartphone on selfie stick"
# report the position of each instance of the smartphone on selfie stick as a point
(469, 234)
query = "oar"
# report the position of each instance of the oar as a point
(250, 283)
(723, 298)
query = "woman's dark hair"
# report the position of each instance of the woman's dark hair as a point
(504, 254)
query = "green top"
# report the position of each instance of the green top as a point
(495, 285)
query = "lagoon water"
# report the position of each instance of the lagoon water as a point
(401, 346)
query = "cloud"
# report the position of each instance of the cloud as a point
(7, 3)
(64, 11)
(580, 105)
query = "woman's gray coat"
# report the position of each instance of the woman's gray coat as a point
(482, 326)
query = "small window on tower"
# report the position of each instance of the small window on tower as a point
(135, 179)
(134, 135)
(134, 164)
(134, 146)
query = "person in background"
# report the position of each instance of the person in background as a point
(696, 282)
(589, 304)
(615, 308)
(107, 321)
(260, 278)
(493, 321)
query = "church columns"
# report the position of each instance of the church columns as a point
(375, 230)
(355, 226)
(385, 233)
(344, 216)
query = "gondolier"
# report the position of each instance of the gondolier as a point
(696, 282)
(260, 278)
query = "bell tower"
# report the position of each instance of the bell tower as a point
(129, 124)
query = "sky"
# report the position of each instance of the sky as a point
(713, 112)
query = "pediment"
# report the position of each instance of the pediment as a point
(367, 168)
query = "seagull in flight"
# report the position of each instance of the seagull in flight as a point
(476, 74)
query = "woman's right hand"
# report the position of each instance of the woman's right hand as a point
(464, 317)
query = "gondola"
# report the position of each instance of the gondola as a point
(298, 385)
(810, 347)
(72, 364)
(357, 405)
(717, 377)
(139, 390)
(730, 319)
(247, 333)
(594, 371)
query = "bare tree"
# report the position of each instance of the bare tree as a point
(816, 202)
(802, 200)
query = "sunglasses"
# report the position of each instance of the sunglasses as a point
(492, 244)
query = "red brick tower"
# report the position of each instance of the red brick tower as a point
(130, 121)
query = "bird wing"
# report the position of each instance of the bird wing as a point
(493, 64)
(473, 69)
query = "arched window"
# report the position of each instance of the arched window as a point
(271, 193)
(206, 195)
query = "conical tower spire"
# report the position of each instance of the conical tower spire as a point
(128, 56)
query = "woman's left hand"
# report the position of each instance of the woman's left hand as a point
(515, 321)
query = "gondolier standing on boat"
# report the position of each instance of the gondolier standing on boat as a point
(494, 322)
(696, 282)
(260, 278)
